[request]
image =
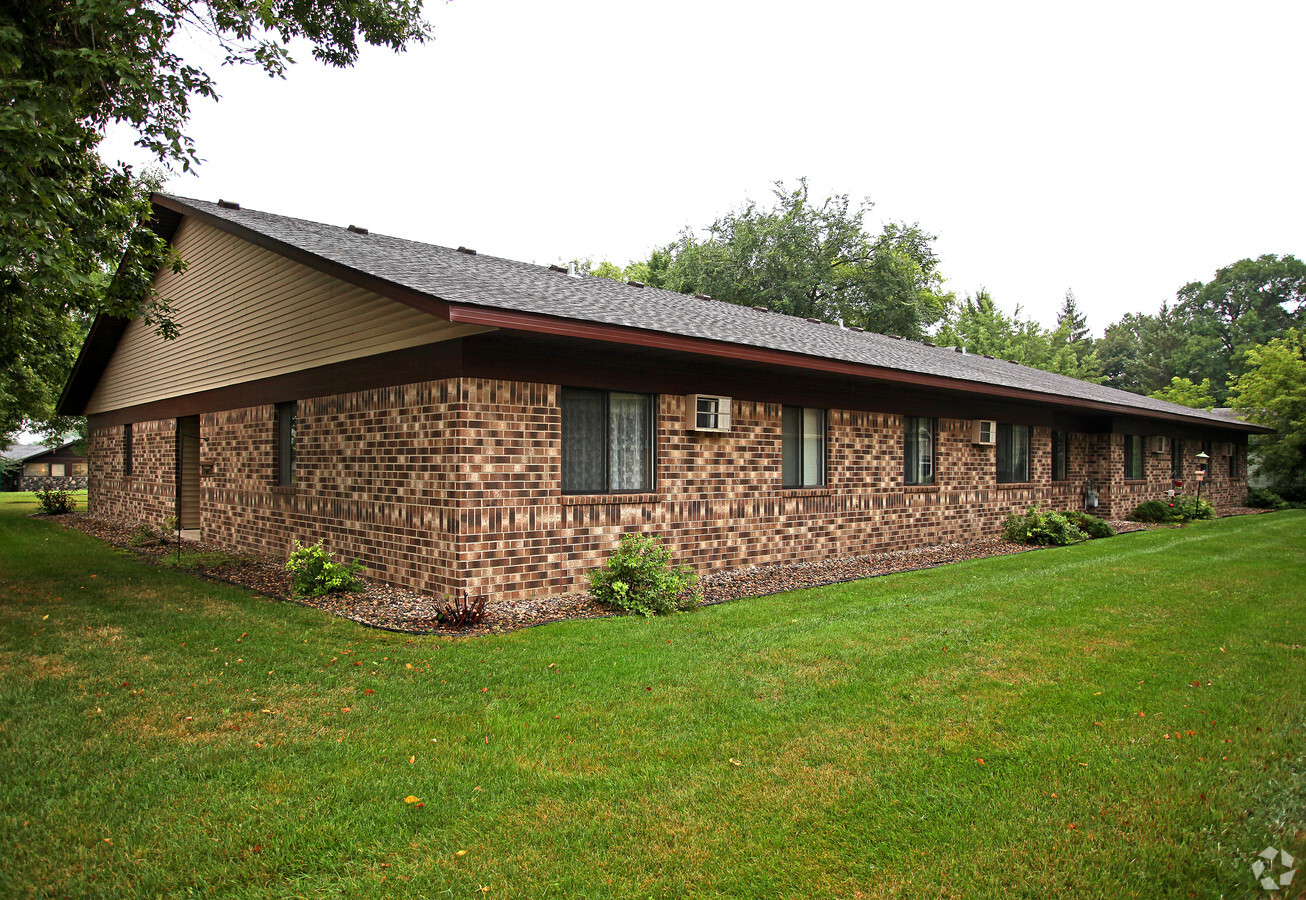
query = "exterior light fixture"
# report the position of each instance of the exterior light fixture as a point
(1202, 457)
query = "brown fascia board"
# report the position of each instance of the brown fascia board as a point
(597, 331)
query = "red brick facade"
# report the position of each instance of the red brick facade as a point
(456, 483)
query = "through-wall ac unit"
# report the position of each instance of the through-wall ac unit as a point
(1156, 444)
(986, 432)
(708, 412)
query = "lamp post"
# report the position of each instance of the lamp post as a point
(1202, 457)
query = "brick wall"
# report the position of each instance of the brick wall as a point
(146, 495)
(456, 483)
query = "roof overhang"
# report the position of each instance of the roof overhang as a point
(168, 213)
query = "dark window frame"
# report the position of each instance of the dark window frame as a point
(1233, 461)
(1176, 459)
(801, 467)
(127, 452)
(1007, 474)
(1135, 458)
(650, 467)
(1060, 456)
(910, 429)
(287, 443)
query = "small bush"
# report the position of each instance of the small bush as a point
(462, 611)
(54, 502)
(1046, 528)
(639, 578)
(146, 535)
(314, 573)
(1262, 498)
(1089, 524)
(1178, 510)
(1191, 509)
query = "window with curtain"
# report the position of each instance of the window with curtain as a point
(1013, 453)
(287, 436)
(802, 447)
(1058, 456)
(1133, 456)
(919, 445)
(607, 442)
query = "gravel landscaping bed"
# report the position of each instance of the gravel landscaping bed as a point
(398, 609)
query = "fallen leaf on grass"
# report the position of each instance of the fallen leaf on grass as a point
(368, 691)
(411, 799)
(980, 761)
(461, 853)
(346, 709)
(735, 762)
(411, 760)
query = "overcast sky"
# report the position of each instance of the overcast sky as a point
(1117, 149)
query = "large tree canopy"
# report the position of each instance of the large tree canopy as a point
(69, 68)
(809, 259)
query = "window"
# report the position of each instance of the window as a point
(1058, 456)
(607, 442)
(127, 449)
(1233, 462)
(36, 470)
(79, 469)
(1176, 460)
(919, 444)
(287, 434)
(1013, 453)
(1133, 456)
(57, 470)
(802, 447)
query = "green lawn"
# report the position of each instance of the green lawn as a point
(1117, 719)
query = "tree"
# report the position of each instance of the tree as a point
(809, 259)
(1247, 304)
(1272, 391)
(978, 326)
(1185, 392)
(69, 68)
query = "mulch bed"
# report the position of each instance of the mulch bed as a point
(398, 609)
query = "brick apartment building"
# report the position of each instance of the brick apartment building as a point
(463, 421)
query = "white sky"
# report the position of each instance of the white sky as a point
(1117, 149)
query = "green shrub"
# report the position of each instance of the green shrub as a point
(639, 578)
(1045, 528)
(1191, 509)
(146, 535)
(314, 573)
(1263, 498)
(54, 502)
(1180, 509)
(1089, 524)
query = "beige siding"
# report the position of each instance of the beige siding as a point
(246, 313)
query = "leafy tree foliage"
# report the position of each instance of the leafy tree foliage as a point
(979, 326)
(1183, 391)
(809, 259)
(68, 68)
(1272, 391)
(1247, 304)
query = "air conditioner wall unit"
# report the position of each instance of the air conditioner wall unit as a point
(1156, 444)
(707, 412)
(986, 432)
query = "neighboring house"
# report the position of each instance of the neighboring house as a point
(460, 421)
(43, 467)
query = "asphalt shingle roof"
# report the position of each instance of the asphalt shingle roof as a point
(489, 281)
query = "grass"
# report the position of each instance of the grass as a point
(1122, 718)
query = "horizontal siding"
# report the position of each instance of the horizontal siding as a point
(245, 313)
